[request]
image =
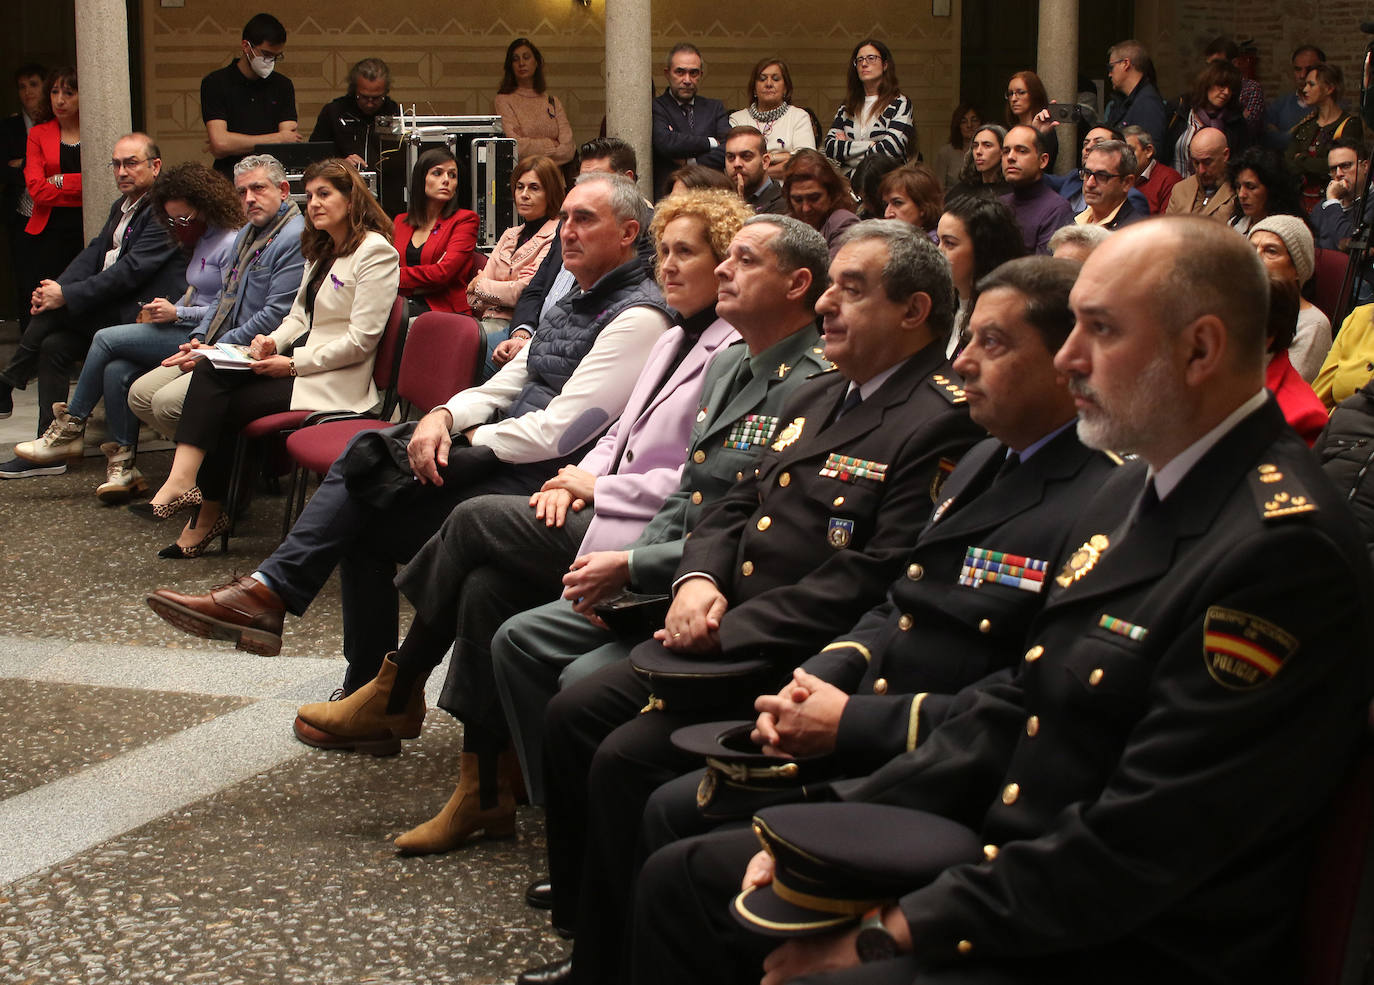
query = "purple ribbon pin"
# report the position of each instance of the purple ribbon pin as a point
(335, 281)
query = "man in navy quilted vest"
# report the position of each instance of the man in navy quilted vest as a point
(545, 408)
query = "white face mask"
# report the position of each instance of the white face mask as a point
(262, 67)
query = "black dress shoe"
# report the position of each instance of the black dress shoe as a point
(539, 894)
(558, 973)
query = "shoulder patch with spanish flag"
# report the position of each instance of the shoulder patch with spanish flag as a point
(1242, 651)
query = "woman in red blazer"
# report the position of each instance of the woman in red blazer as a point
(52, 177)
(435, 238)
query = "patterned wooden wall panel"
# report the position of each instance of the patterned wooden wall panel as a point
(444, 63)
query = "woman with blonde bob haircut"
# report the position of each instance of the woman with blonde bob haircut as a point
(351, 275)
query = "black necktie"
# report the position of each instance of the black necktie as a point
(1146, 504)
(1011, 462)
(692, 117)
(852, 400)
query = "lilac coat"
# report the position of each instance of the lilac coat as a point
(648, 439)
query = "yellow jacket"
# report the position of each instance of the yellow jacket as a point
(1350, 363)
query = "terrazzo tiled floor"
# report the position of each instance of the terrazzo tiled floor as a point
(162, 824)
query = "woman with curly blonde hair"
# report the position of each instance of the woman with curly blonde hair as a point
(627, 476)
(201, 211)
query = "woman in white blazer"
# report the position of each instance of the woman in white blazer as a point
(341, 309)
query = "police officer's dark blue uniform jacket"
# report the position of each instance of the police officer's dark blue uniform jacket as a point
(1149, 779)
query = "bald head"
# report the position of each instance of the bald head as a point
(1209, 154)
(1169, 335)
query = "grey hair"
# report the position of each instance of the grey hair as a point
(913, 264)
(1086, 236)
(372, 69)
(626, 202)
(798, 245)
(1139, 133)
(1129, 164)
(275, 172)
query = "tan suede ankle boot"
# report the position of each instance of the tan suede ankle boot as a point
(360, 721)
(466, 813)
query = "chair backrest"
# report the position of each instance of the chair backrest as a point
(1328, 275)
(387, 366)
(479, 261)
(441, 357)
(1338, 917)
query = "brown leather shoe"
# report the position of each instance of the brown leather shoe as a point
(244, 611)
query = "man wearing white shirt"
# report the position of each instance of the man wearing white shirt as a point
(541, 410)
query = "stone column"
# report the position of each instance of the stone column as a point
(102, 63)
(1056, 60)
(629, 81)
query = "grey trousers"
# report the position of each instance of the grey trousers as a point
(533, 656)
(490, 560)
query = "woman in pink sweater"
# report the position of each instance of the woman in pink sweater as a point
(537, 185)
(534, 118)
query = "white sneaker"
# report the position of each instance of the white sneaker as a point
(64, 438)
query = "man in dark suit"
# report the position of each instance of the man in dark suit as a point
(131, 260)
(1148, 782)
(792, 555)
(688, 129)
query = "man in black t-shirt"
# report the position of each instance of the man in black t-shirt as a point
(247, 102)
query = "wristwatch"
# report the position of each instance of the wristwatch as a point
(874, 943)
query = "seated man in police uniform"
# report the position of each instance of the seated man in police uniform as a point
(970, 589)
(794, 554)
(1146, 784)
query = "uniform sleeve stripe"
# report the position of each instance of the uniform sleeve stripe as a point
(913, 728)
(850, 644)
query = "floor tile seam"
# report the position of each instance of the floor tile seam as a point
(175, 670)
(79, 811)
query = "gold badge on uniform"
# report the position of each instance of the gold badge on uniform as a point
(840, 533)
(789, 434)
(1083, 560)
(1242, 651)
(706, 789)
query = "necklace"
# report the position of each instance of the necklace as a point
(766, 118)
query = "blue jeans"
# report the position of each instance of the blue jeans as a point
(119, 355)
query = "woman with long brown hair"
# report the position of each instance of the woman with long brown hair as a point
(537, 186)
(345, 297)
(534, 118)
(436, 240)
(1313, 135)
(1026, 97)
(875, 117)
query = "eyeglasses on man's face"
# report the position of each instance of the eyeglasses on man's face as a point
(127, 163)
(1101, 177)
(267, 56)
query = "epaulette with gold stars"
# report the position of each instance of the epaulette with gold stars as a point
(1278, 495)
(818, 354)
(949, 387)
